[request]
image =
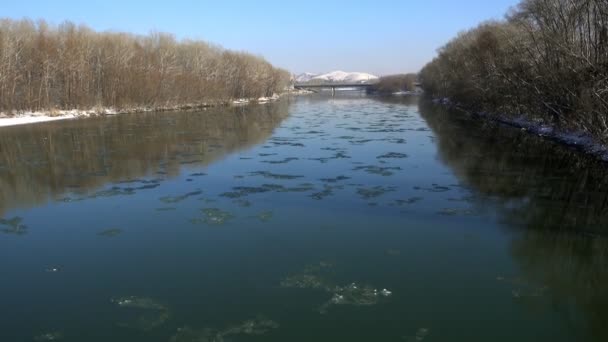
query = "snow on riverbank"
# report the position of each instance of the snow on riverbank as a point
(297, 92)
(579, 140)
(24, 118)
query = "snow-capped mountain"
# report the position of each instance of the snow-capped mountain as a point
(336, 77)
(341, 76)
(305, 77)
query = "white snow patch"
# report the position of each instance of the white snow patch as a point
(577, 139)
(240, 101)
(28, 117)
(245, 101)
(305, 77)
(24, 120)
(274, 97)
(296, 92)
(404, 93)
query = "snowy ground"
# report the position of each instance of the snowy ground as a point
(579, 140)
(36, 117)
(25, 118)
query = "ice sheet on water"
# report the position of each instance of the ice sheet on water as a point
(49, 336)
(265, 216)
(179, 198)
(112, 232)
(251, 327)
(378, 170)
(317, 277)
(373, 192)
(270, 175)
(392, 155)
(420, 335)
(141, 313)
(214, 216)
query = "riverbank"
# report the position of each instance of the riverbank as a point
(581, 141)
(540, 73)
(392, 85)
(25, 118)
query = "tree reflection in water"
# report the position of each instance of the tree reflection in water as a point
(42, 161)
(553, 196)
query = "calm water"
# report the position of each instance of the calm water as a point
(314, 219)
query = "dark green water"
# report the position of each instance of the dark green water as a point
(317, 219)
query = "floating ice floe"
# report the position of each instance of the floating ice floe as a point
(253, 327)
(356, 295)
(142, 313)
(456, 211)
(112, 232)
(386, 292)
(335, 180)
(265, 216)
(138, 302)
(49, 336)
(213, 216)
(393, 155)
(242, 191)
(179, 198)
(267, 174)
(326, 192)
(421, 334)
(434, 188)
(378, 170)
(373, 192)
(282, 161)
(353, 294)
(411, 200)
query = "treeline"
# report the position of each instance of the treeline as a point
(547, 60)
(45, 67)
(391, 84)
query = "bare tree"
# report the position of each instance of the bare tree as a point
(45, 67)
(547, 60)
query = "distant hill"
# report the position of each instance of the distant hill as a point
(305, 77)
(337, 77)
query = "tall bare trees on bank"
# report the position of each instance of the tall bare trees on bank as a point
(45, 67)
(547, 60)
(388, 85)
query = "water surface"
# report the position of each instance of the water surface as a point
(315, 219)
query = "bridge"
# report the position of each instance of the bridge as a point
(332, 86)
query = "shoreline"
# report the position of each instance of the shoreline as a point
(580, 141)
(28, 118)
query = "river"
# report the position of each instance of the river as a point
(350, 218)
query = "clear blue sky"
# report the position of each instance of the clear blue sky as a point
(377, 36)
